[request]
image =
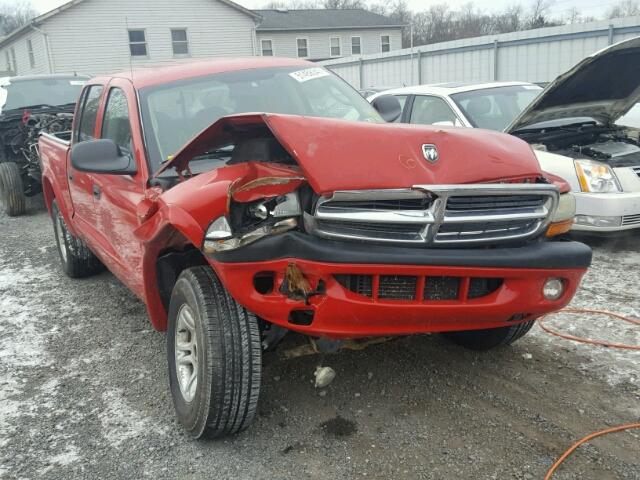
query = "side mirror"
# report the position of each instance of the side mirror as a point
(101, 156)
(388, 107)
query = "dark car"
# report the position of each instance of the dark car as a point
(30, 105)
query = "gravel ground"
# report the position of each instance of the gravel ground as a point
(84, 391)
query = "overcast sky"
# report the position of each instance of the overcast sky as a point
(594, 8)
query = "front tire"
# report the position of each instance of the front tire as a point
(214, 356)
(489, 338)
(12, 199)
(76, 258)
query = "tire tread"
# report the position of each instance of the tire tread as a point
(12, 188)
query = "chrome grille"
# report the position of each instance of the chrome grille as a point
(440, 215)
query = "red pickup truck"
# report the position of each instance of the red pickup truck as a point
(318, 217)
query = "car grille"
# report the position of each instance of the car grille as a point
(631, 220)
(436, 215)
(418, 288)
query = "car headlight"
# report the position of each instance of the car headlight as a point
(249, 222)
(562, 219)
(566, 208)
(596, 177)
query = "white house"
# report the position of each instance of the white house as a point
(320, 34)
(101, 36)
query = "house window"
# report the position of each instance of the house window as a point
(32, 58)
(13, 60)
(386, 43)
(335, 46)
(179, 42)
(267, 48)
(355, 46)
(303, 47)
(137, 43)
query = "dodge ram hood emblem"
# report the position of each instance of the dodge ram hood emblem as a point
(430, 152)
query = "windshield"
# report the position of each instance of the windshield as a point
(42, 91)
(495, 108)
(172, 114)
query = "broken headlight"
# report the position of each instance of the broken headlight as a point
(249, 222)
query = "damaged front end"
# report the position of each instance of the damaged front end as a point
(313, 235)
(249, 221)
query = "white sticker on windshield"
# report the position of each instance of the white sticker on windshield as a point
(532, 87)
(77, 82)
(309, 74)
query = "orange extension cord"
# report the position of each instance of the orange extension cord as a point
(550, 331)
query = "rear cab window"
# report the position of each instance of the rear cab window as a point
(88, 113)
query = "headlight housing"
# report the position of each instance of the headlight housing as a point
(566, 208)
(596, 177)
(249, 222)
(562, 219)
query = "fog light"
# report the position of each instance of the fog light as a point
(553, 289)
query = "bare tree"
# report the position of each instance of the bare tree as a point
(511, 20)
(624, 8)
(14, 14)
(343, 4)
(293, 4)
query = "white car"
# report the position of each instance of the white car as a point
(584, 127)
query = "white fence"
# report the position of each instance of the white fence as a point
(533, 55)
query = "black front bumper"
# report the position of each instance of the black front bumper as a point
(546, 255)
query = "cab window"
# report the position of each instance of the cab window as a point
(428, 110)
(115, 124)
(89, 113)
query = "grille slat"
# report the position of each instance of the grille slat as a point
(631, 220)
(383, 205)
(493, 202)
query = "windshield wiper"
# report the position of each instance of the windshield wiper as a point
(217, 154)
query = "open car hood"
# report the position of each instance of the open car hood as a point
(604, 86)
(343, 155)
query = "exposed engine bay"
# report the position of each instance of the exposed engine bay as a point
(616, 146)
(19, 137)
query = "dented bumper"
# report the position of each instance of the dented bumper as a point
(358, 291)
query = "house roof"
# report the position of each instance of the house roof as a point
(321, 19)
(41, 18)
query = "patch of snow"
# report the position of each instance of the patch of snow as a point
(120, 422)
(611, 284)
(23, 331)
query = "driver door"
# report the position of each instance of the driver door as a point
(117, 196)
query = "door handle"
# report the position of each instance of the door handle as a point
(70, 178)
(96, 192)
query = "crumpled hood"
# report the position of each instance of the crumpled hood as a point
(343, 155)
(604, 86)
